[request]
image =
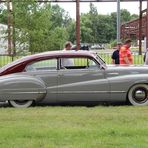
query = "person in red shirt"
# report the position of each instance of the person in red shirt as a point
(125, 55)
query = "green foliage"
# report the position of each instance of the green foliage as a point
(40, 28)
(59, 16)
(125, 16)
(97, 28)
(3, 16)
(86, 30)
(71, 30)
(113, 43)
(43, 27)
(57, 38)
(134, 16)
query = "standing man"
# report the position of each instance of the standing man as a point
(65, 62)
(125, 55)
(146, 57)
(115, 55)
(68, 45)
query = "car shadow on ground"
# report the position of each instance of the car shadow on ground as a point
(4, 104)
(82, 104)
(105, 104)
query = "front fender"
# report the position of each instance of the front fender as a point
(123, 83)
(21, 87)
(120, 85)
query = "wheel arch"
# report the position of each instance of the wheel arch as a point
(138, 83)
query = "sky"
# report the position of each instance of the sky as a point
(102, 7)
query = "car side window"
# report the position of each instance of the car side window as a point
(79, 63)
(43, 65)
(65, 62)
(92, 64)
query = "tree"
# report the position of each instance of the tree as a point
(105, 30)
(46, 27)
(125, 16)
(96, 28)
(71, 30)
(86, 30)
(92, 15)
(59, 16)
(36, 29)
(134, 17)
(3, 16)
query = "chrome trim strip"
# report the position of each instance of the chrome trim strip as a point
(22, 92)
(89, 92)
(113, 73)
(118, 91)
(55, 92)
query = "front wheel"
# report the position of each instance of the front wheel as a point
(138, 95)
(21, 103)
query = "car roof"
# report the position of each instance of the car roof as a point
(50, 54)
(62, 53)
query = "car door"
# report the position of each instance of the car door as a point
(46, 70)
(84, 81)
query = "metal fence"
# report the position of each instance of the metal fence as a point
(138, 59)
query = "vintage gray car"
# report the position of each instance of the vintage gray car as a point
(71, 76)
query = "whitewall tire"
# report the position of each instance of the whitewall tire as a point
(21, 104)
(138, 95)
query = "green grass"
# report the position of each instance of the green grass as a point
(74, 127)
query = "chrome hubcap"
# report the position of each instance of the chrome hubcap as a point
(140, 95)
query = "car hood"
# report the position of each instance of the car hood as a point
(127, 69)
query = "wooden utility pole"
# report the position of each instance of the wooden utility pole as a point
(140, 27)
(147, 26)
(13, 30)
(9, 27)
(118, 21)
(78, 24)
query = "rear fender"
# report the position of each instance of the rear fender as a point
(21, 87)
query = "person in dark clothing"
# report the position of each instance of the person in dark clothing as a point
(115, 55)
(146, 57)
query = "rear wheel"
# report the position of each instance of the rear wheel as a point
(138, 95)
(21, 103)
